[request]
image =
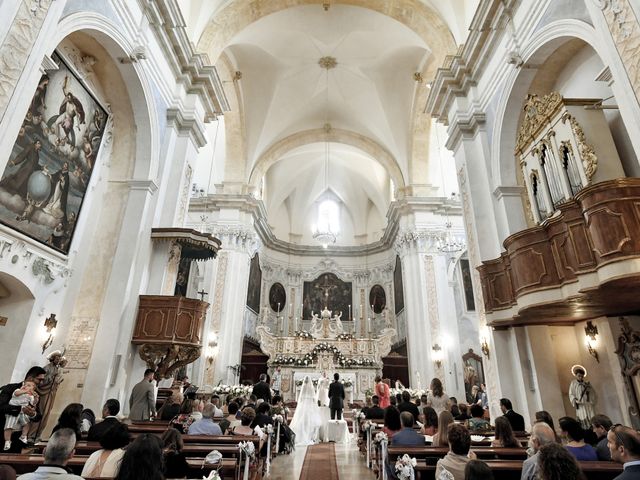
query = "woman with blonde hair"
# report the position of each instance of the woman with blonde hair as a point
(441, 438)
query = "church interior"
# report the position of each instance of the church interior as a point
(430, 199)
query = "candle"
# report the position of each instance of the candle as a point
(361, 311)
(349, 312)
(278, 308)
(291, 309)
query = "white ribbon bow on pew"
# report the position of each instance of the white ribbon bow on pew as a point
(249, 451)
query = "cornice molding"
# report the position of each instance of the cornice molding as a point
(193, 69)
(187, 124)
(460, 71)
(255, 207)
(464, 127)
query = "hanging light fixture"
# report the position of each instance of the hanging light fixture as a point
(326, 229)
(448, 243)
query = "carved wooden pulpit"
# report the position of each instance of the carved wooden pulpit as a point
(169, 327)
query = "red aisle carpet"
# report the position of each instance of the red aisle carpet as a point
(320, 463)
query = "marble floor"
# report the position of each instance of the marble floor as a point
(351, 464)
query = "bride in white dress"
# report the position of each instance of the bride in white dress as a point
(306, 420)
(323, 403)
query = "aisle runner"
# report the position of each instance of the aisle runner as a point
(320, 463)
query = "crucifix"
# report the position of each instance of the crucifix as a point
(202, 293)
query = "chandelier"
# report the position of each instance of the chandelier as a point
(326, 230)
(448, 243)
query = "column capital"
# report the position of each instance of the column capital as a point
(416, 240)
(240, 238)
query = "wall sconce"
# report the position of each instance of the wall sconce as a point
(437, 355)
(484, 344)
(591, 339)
(50, 325)
(212, 348)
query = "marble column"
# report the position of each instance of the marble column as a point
(239, 244)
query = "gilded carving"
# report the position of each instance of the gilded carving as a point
(17, 45)
(625, 32)
(587, 153)
(537, 114)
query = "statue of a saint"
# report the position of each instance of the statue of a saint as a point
(338, 323)
(48, 388)
(582, 396)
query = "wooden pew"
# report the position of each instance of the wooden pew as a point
(29, 463)
(190, 449)
(512, 469)
(438, 452)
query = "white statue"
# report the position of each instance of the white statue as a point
(337, 328)
(315, 321)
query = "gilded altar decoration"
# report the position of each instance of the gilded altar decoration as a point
(50, 165)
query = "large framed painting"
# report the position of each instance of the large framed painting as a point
(467, 284)
(277, 297)
(398, 287)
(327, 291)
(255, 284)
(45, 181)
(377, 299)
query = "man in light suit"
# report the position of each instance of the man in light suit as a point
(624, 443)
(142, 403)
(336, 397)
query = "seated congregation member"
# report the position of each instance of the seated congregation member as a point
(572, 432)
(7, 473)
(624, 444)
(430, 425)
(407, 436)
(541, 434)
(545, 417)
(368, 403)
(215, 399)
(57, 453)
(110, 409)
(477, 470)
(248, 415)
(375, 412)
(556, 463)
(87, 420)
(106, 461)
(504, 435)
(175, 463)
(455, 461)
(464, 413)
(263, 416)
(440, 439)
(171, 407)
(231, 420)
(408, 406)
(251, 403)
(455, 411)
(600, 424)
(184, 419)
(437, 398)
(392, 423)
(142, 459)
(515, 419)
(477, 421)
(71, 417)
(206, 425)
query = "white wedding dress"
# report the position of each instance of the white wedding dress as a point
(306, 420)
(325, 413)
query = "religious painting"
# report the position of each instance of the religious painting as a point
(465, 269)
(182, 279)
(255, 284)
(377, 299)
(327, 291)
(473, 371)
(398, 288)
(277, 297)
(50, 165)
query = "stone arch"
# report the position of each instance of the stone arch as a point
(272, 155)
(238, 14)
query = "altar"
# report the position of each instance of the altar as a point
(326, 349)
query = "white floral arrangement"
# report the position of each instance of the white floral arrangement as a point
(405, 467)
(268, 428)
(237, 390)
(368, 425)
(303, 334)
(361, 415)
(213, 475)
(380, 437)
(248, 448)
(278, 418)
(414, 392)
(347, 383)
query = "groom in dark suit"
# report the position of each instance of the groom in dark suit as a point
(336, 397)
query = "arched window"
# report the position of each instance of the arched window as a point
(328, 217)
